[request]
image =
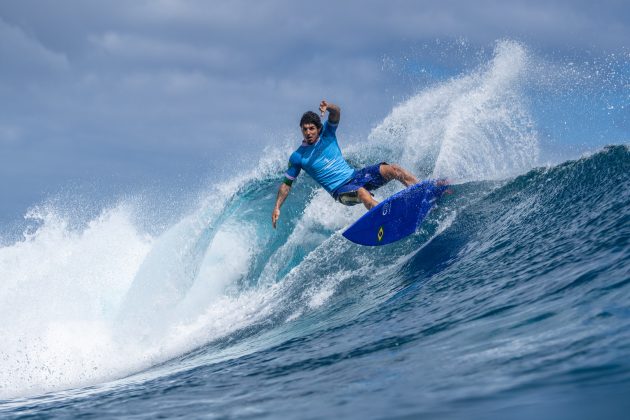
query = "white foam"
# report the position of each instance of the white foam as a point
(63, 291)
(60, 290)
(319, 293)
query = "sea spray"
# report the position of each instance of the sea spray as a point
(473, 127)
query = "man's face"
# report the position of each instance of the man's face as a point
(310, 133)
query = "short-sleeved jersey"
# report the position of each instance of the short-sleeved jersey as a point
(322, 161)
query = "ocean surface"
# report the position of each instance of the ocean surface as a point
(511, 301)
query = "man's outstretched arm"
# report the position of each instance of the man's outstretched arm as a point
(283, 192)
(334, 112)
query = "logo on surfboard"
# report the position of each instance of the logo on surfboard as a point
(386, 208)
(380, 234)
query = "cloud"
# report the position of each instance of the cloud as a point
(106, 81)
(144, 50)
(23, 55)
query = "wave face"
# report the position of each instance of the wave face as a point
(512, 300)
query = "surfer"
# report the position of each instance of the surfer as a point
(320, 156)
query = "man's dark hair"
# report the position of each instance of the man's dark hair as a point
(310, 117)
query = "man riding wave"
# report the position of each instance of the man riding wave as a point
(320, 156)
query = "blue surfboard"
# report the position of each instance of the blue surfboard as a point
(396, 217)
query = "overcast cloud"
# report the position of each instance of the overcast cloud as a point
(134, 90)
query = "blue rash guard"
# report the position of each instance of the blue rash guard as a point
(322, 161)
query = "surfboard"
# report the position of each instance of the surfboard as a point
(396, 217)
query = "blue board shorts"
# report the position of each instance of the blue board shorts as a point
(369, 178)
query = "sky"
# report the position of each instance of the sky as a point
(118, 94)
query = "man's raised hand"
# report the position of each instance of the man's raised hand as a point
(323, 106)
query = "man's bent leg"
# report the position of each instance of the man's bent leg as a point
(366, 198)
(391, 171)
